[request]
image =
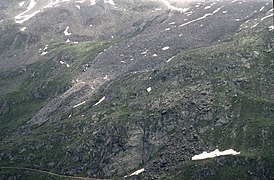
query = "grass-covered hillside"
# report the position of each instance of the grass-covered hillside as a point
(219, 96)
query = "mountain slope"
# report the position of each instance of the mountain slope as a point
(151, 98)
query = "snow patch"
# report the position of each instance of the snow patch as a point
(224, 12)
(170, 59)
(54, 3)
(78, 6)
(136, 172)
(233, 1)
(109, 2)
(106, 77)
(62, 62)
(167, 29)
(92, 2)
(171, 23)
(262, 8)
(73, 42)
(254, 25)
(21, 3)
(271, 11)
(44, 53)
(165, 48)
(271, 28)
(143, 53)
(101, 100)
(44, 50)
(46, 47)
(217, 10)
(23, 16)
(154, 55)
(23, 28)
(215, 153)
(200, 18)
(81, 103)
(208, 7)
(169, 6)
(66, 31)
(149, 89)
(29, 13)
(256, 53)
(268, 16)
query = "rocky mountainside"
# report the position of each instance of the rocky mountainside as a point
(102, 88)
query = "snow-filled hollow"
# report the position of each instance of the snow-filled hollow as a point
(44, 53)
(81, 103)
(23, 28)
(66, 31)
(271, 28)
(213, 154)
(109, 2)
(21, 3)
(33, 9)
(170, 59)
(92, 2)
(24, 16)
(136, 173)
(171, 7)
(99, 102)
(200, 18)
(208, 7)
(268, 16)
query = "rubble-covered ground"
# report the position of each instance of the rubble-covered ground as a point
(103, 89)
